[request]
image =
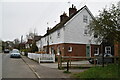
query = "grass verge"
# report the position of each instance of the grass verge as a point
(110, 71)
(67, 72)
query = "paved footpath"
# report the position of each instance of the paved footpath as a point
(43, 71)
(0, 65)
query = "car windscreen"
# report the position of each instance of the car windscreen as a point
(15, 51)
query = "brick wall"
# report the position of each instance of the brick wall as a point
(77, 49)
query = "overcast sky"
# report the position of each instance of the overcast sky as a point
(19, 17)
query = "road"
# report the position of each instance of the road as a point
(15, 68)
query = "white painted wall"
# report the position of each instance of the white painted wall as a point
(74, 29)
(53, 40)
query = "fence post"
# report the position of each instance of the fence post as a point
(94, 61)
(68, 66)
(53, 57)
(115, 59)
(59, 62)
(39, 59)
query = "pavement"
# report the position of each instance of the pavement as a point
(43, 71)
(48, 70)
(0, 65)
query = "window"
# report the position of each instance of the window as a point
(85, 19)
(85, 31)
(58, 33)
(52, 50)
(96, 51)
(58, 50)
(50, 37)
(45, 38)
(108, 49)
(95, 36)
(70, 49)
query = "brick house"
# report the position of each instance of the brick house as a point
(70, 36)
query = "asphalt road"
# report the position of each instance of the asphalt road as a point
(15, 68)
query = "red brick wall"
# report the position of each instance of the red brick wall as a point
(77, 49)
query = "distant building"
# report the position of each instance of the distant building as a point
(31, 41)
(0, 46)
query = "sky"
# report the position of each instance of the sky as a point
(19, 17)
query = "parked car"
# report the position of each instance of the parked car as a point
(15, 53)
(99, 60)
(6, 51)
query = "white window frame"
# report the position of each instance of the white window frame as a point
(70, 49)
(106, 49)
(96, 49)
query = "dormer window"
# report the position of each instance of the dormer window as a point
(85, 18)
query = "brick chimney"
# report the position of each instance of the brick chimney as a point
(48, 29)
(63, 17)
(72, 10)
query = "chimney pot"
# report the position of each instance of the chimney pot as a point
(63, 17)
(72, 10)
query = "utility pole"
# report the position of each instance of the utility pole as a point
(21, 42)
(21, 38)
(47, 39)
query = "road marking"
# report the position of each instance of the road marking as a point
(36, 74)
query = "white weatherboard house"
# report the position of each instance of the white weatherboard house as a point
(70, 36)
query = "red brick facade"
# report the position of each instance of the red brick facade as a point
(77, 49)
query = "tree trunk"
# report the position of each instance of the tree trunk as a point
(119, 59)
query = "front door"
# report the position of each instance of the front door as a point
(87, 50)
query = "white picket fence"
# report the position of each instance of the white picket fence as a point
(42, 57)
